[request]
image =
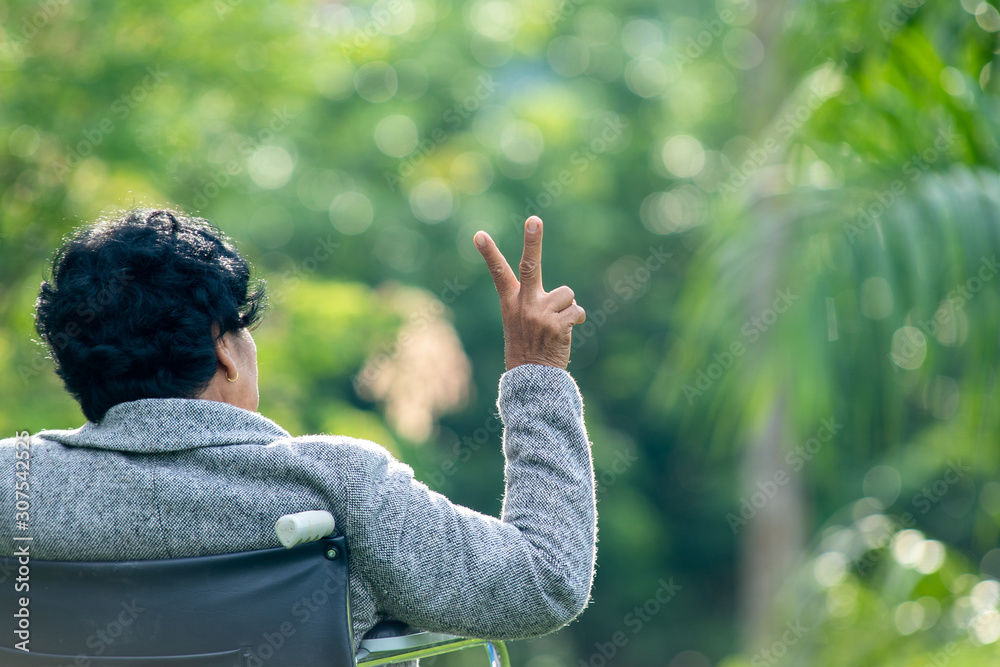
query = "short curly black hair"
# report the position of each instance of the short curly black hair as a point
(130, 308)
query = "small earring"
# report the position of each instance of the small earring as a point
(233, 379)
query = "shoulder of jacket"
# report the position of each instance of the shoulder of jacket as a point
(21, 439)
(347, 457)
(328, 445)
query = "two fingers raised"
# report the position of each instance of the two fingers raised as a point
(530, 268)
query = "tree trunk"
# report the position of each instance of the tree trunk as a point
(773, 538)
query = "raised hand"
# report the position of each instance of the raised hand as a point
(537, 325)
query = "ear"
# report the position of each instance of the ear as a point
(224, 353)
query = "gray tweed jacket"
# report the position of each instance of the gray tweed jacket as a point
(167, 478)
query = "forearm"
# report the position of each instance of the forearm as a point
(549, 477)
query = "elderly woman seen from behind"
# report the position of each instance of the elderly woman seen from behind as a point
(148, 318)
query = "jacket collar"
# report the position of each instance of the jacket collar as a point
(157, 425)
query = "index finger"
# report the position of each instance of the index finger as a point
(531, 257)
(503, 276)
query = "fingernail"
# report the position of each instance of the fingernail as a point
(532, 225)
(480, 239)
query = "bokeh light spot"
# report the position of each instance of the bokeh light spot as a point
(497, 19)
(646, 77)
(642, 37)
(985, 627)
(830, 568)
(351, 213)
(24, 141)
(985, 595)
(396, 135)
(988, 17)
(909, 347)
(908, 547)
(270, 167)
(432, 201)
(931, 558)
(909, 617)
(683, 156)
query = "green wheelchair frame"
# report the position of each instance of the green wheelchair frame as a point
(391, 650)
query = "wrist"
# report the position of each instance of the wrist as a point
(522, 361)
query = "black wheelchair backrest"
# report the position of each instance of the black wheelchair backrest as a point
(269, 608)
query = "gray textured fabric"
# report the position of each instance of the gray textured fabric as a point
(166, 478)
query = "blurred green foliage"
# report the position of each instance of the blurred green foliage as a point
(778, 215)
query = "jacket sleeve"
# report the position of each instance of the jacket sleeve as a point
(440, 566)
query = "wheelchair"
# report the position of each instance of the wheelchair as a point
(286, 606)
